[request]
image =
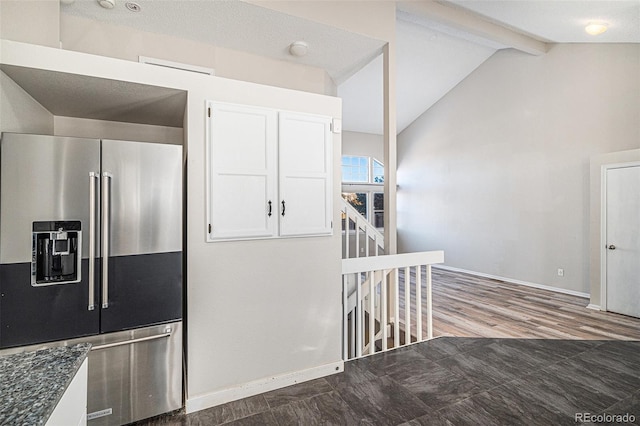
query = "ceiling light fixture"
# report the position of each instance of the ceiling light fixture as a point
(596, 28)
(107, 4)
(298, 48)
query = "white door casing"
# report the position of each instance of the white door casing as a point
(620, 251)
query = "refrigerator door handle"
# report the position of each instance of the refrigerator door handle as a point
(106, 195)
(92, 240)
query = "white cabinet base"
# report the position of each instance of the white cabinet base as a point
(72, 408)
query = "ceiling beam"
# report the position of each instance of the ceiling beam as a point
(464, 20)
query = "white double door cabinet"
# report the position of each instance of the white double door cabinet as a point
(269, 173)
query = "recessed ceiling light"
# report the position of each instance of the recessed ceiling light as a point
(133, 6)
(596, 28)
(298, 48)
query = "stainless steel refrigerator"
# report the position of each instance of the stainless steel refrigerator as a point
(91, 250)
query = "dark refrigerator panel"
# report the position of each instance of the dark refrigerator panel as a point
(142, 238)
(47, 187)
(144, 289)
(30, 315)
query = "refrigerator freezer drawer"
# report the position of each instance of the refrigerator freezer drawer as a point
(135, 374)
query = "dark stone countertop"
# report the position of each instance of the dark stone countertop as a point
(32, 383)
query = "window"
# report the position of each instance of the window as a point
(355, 169)
(359, 201)
(378, 210)
(378, 171)
(362, 180)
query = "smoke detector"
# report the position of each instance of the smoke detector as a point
(107, 4)
(298, 48)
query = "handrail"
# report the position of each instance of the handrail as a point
(391, 261)
(371, 296)
(361, 223)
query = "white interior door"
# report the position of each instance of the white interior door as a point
(623, 240)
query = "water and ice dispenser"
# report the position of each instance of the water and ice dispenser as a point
(56, 252)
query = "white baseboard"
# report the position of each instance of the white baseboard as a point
(594, 307)
(514, 281)
(256, 387)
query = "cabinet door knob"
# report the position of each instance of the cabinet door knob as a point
(269, 214)
(283, 207)
(611, 247)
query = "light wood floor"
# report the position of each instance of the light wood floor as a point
(470, 306)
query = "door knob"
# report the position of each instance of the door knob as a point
(611, 247)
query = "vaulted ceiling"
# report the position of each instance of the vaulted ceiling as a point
(438, 43)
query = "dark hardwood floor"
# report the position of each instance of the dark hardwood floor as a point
(522, 356)
(453, 381)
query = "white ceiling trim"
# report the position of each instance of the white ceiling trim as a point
(461, 19)
(562, 21)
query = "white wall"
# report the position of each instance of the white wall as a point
(19, 112)
(357, 143)
(372, 19)
(32, 21)
(102, 129)
(89, 36)
(497, 172)
(40, 22)
(257, 311)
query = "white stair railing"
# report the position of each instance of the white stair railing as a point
(371, 285)
(362, 234)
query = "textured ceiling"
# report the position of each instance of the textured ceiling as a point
(241, 26)
(432, 57)
(429, 64)
(70, 95)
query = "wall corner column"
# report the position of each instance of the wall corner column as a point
(390, 149)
